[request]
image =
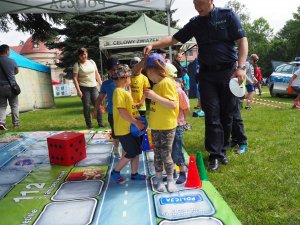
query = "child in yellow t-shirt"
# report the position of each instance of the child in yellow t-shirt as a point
(162, 119)
(139, 83)
(125, 114)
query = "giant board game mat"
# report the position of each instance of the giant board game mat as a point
(33, 191)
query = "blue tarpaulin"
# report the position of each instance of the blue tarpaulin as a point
(27, 63)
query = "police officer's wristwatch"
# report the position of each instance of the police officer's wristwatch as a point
(241, 67)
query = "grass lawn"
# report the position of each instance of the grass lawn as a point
(262, 186)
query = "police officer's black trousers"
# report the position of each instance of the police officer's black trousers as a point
(238, 133)
(219, 104)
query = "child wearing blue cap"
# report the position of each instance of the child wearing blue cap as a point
(124, 114)
(162, 119)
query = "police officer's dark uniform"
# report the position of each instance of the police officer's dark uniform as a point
(215, 35)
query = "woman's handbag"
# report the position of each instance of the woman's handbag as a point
(15, 88)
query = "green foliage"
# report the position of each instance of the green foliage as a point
(239, 9)
(40, 25)
(285, 46)
(259, 35)
(291, 33)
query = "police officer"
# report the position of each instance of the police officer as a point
(216, 31)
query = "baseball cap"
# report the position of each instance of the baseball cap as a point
(112, 62)
(134, 60)
(120, 71)
(171, 70)
(152, 58)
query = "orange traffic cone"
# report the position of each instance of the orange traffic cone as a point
(193, 178)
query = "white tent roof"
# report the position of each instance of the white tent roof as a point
(138, 34)
(81, 6)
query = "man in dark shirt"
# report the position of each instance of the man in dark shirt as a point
(216, 31)
(8, 70)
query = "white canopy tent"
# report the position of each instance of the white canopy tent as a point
(137, 35)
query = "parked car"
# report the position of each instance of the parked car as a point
(280, 78)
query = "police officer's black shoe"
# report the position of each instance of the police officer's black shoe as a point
(213, 165)
(224, 161)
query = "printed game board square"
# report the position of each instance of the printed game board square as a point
(78, 190)
(183, 204)
(12, 176)
(98, 149)
(4, 189)
(95, 160)
(194, 221)
(66, 213)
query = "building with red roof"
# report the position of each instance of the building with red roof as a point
(38, 51)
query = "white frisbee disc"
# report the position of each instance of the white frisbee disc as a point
(235, 88)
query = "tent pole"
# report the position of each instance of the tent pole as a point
(169, 30)
(101, 65)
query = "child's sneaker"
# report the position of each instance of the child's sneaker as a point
(138, 176)
(187, 126)
(248, 107)
(2, 126)
(241, 149)
(171, 185)
(182, 178)
(160, 185)
(117, 177)
(174, 176)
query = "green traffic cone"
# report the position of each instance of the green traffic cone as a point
(201, 166)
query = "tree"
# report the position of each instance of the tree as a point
(259, 35)
(239, 9)
(40, 25)
(84, 31)
(291, 34)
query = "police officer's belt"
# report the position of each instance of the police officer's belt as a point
(217, 67)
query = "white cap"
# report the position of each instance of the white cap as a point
(135, 60)
(171, 70)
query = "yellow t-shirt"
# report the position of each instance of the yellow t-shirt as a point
(161, 118)
(122, 99)
(86, 73)
(138, 84)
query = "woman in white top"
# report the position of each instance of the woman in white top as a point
(86, 76)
